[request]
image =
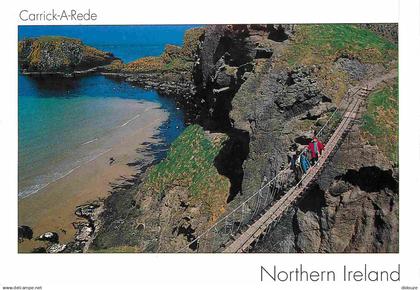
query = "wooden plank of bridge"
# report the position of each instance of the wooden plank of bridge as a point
(244, 241)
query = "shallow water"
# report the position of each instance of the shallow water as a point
(64, 123)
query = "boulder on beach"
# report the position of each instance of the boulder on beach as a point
(56, 248)
(25, 232)
(49, 237)
(87, 211)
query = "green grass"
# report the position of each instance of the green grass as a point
(380, 122)
(316, 43)
(189, 163)
(320, 45)
(189, 166)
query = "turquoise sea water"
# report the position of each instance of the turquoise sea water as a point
(62, 120)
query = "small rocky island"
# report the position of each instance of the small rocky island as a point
(61, 56)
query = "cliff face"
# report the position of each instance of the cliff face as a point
(59, 55)
(352, 207)
(266, 88)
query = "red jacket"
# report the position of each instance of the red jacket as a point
(311, 147)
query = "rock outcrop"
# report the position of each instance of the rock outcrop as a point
(51, 237)
(25, 232)
(170, 73)
(352, 207)
(60, 55)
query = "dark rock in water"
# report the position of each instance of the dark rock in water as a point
(51, 237)
(39, 250)
(24, 232)
(56, 248)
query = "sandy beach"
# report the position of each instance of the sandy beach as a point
(52, 208)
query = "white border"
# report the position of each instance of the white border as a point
(178, 271)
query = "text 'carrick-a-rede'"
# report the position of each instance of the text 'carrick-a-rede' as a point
(53, 15)
(300, 274)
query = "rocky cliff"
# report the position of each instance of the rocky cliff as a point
(256, 92)
(170, 73)
(59, 55)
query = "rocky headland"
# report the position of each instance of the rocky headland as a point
(56, 55)
(252, 93)
(170, 73)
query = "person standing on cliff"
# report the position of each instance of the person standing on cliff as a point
(315, 147)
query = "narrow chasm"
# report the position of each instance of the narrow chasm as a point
(277, 33)
(231, 158)
(370, 179)
(218, 78)
(314, 200)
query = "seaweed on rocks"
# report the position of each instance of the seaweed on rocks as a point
(119, 225)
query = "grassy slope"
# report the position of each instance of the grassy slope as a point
(189, 164)
(380, 121)
(321, 45)
(316, 44)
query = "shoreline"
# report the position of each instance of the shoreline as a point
(52, 209)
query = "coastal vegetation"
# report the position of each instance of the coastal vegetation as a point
(59, 54)
(316, 44)
(190, 164)
(173, 59)
(380, 121)
(321, 45)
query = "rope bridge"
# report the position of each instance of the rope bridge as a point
(252, 220)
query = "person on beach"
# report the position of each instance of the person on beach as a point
(111, 160)
(316, 148)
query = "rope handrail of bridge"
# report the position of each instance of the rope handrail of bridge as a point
(270, 182)
(262, 226)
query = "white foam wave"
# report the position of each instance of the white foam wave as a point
(99, 155)
(90, 141)
(35, 188)
(132, 119)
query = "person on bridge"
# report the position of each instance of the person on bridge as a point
(316, 148)
(295, 165)
(304, 162)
